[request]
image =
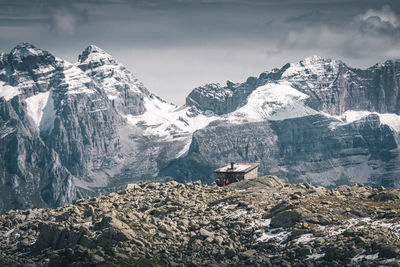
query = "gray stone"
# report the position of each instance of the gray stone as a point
(205, 233)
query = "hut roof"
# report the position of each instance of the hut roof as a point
(237, 167)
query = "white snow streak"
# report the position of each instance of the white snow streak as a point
(35, 106)
(41, 109)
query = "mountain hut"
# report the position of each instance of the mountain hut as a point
(234, 172)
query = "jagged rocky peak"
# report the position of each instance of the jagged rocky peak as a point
(26, 56)
(25, 50)
(215, 90)
(94, 56)
(120, 85)
(312, 67)
(392, 64)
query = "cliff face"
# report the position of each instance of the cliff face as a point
(315, 149)
(58, 124)
(334, 87)
(66, 129)
(32, 175)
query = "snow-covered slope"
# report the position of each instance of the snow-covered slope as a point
(274, 101)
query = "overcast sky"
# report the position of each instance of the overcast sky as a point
(176, 45)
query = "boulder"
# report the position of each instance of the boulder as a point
(287, 218)
(205, 233)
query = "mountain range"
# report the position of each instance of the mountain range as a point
(76, 130)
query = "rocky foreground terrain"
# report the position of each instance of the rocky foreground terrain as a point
(258, 222)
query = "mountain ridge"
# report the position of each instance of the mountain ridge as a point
(103, 129)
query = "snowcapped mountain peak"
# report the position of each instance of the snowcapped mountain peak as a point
(318, 60)
(312, 67)
(314, 58)
(94, 55)
(120, 85)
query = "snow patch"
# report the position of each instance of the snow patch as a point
(392, 120)
(361, 256)
(167, 120)
(306, 238)
(7, 91)
(275, 101)
(76, 80)
(258, 223)
(48, 115)
(275, 233)
(41, 109)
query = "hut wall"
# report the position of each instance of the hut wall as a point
(251, 174)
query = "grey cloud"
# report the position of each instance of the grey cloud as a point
(66, 19)
(372, 33)
(379, 22)
(380, 18)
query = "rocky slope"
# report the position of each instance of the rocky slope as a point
(260, 222)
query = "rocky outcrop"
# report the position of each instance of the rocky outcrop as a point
(257, 222)
(334, 87)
